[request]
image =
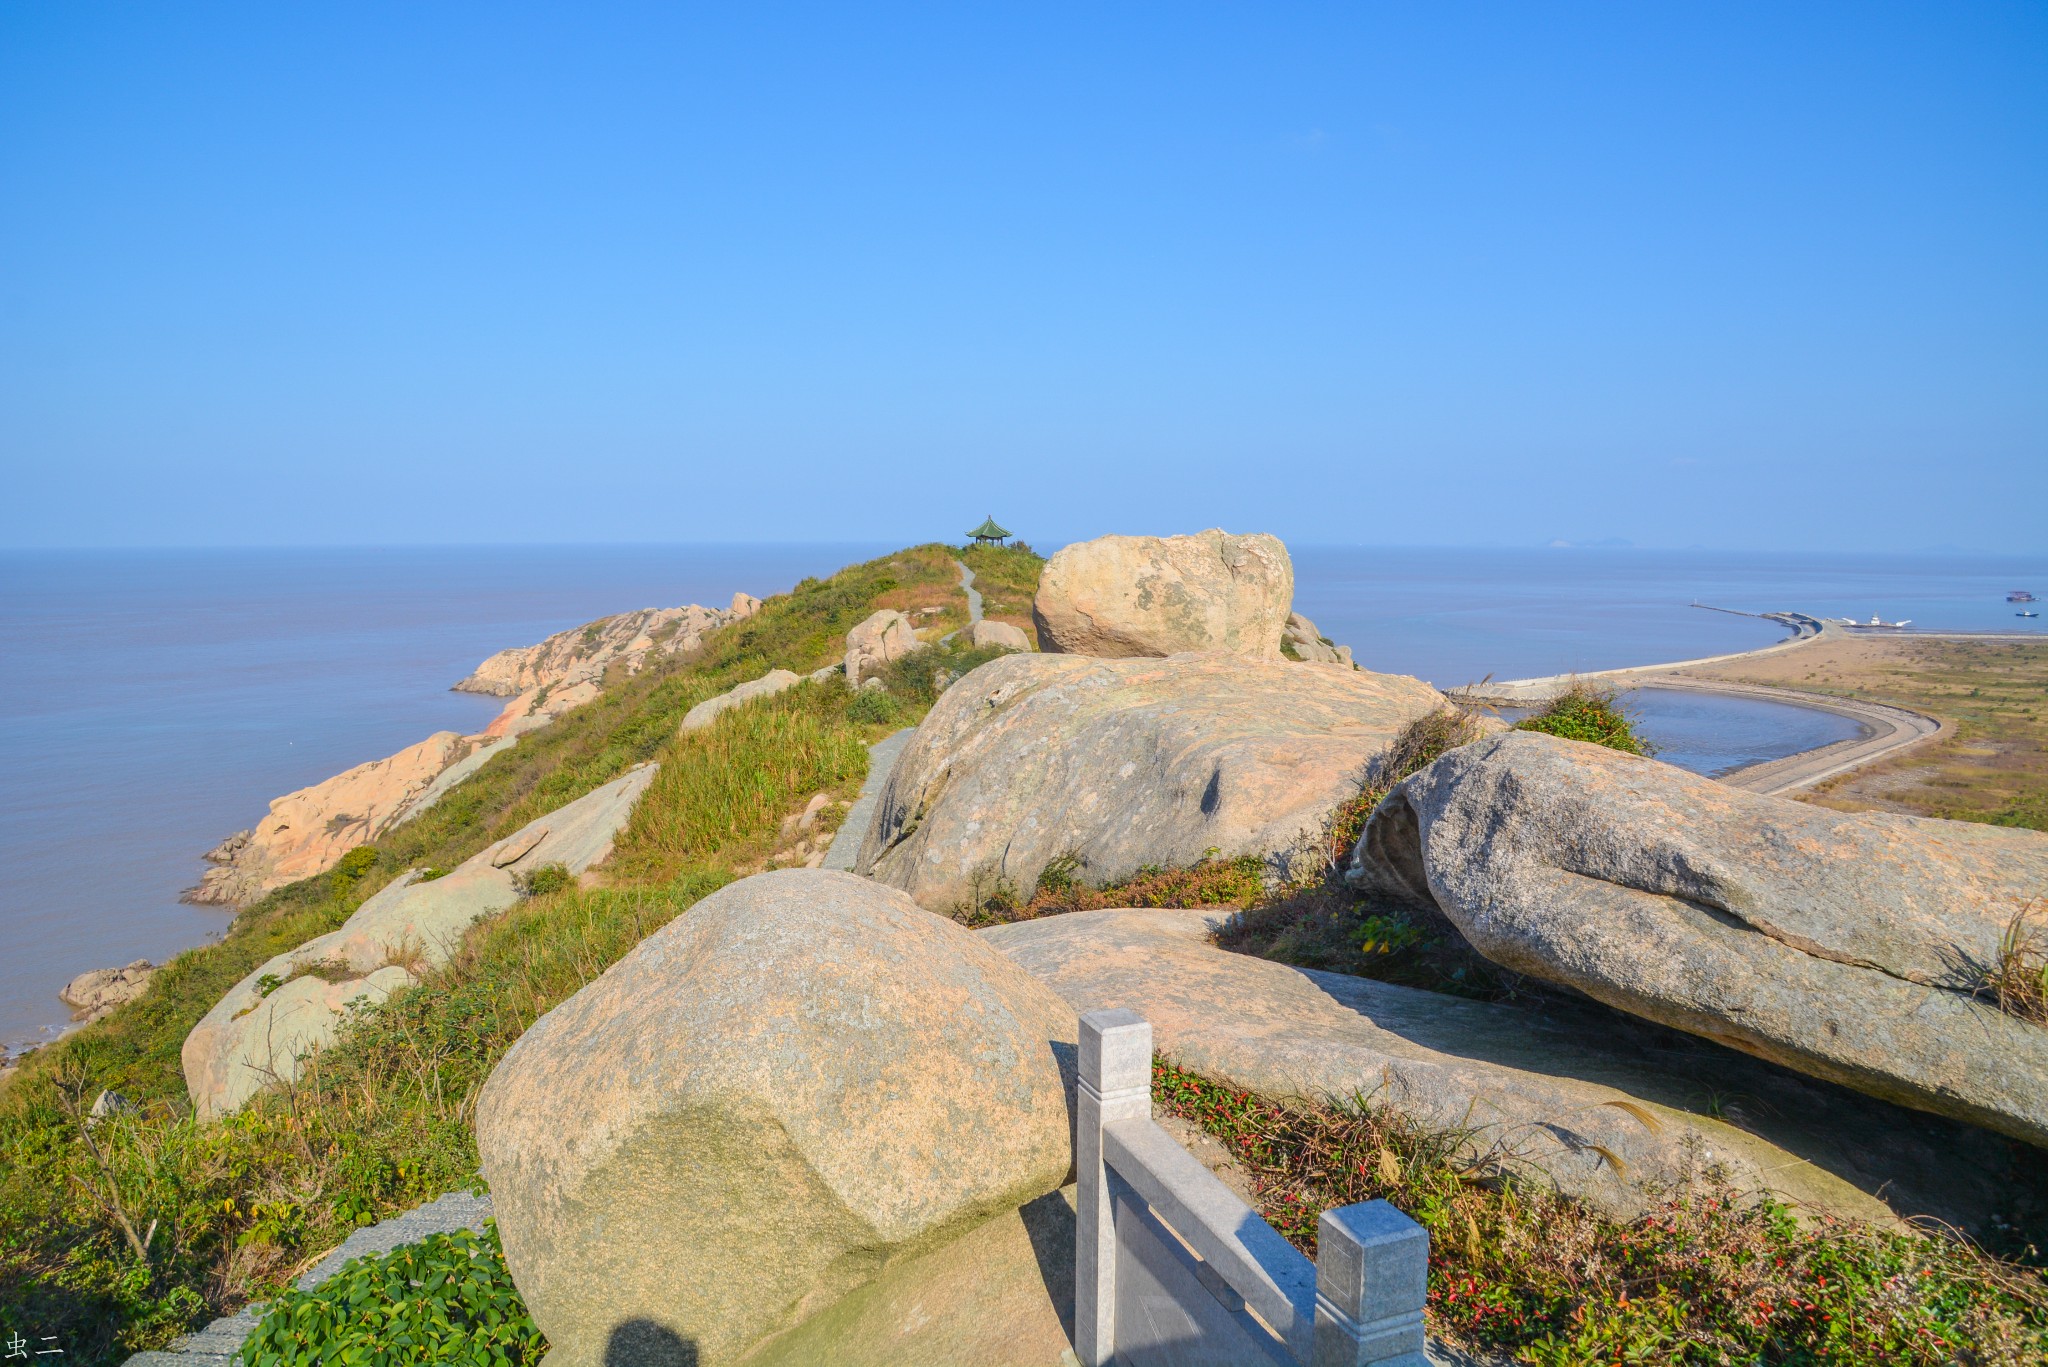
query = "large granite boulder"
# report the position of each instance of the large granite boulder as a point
(296, 1002)
(767, 686)
(1125, 763)
(1602, 1107)
(306, 831)
(870, 647)
(760, 1109)
(1126, 596)
(1847, 946)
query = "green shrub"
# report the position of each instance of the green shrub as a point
(1583, 712)
(350, 869)
(541, 881)
(873, 707)
(446, 1299)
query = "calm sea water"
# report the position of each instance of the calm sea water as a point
(161, 699)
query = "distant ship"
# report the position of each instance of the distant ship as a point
(2026, 612)
(2019, 596)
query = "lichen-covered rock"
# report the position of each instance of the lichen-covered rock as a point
(1309, 644)
(1001, 635)
(761, 1108)
(870, 647)
(1546, 1089)
(306, 831)
(1123, 596)
(1847, 946)
(295, 1001)
(93, 994)
(767, 686)
(1124, 763)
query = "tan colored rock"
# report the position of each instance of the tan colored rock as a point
(583, 654)
(885, 637)
(296, 1001)
(761, 1109)
(1123, 596)
(1847, 946)
(1000, 1295)
(1547, 1085)
(536, 707)
(984, 634)
(767, 686)
(1126, 763)
(1309, 644)
(93, 994)
(306, 831)
(744, 605)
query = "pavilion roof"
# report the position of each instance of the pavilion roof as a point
(989, 528)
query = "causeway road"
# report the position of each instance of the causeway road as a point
(1885, 730)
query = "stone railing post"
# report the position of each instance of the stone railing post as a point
(1115, 1084)
(1372, 1280)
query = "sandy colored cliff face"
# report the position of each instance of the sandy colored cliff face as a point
(306, 831)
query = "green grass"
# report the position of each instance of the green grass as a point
(381, 1122)
(1708, 1275)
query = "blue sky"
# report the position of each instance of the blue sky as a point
(1770, 276)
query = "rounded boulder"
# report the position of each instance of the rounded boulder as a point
(768, 1102)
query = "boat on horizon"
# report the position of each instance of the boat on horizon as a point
(2019, 596)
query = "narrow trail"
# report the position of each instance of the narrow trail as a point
(973, 599)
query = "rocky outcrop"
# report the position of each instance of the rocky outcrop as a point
(296, 1001)
(536, 707)
(306, 831)
(1545, 1089)
(1304, 642)
(870, 647)
(762, 1107)
(1849, 947)
(93, 994)
(767, 686)
(1001, 635)
(1126, 596)
(583, 654)
(1124, 763)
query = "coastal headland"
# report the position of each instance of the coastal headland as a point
(778, 917)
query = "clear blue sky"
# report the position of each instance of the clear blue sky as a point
(1743, 275)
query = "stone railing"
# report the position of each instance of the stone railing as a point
(1173, 1270)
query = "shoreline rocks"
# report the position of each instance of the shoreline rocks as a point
(97, 992)
(1125, 763)
(1125, 596)
(305, 831)
(583, 654)
(296, 1001)
(807, 1077)
(1850, 947)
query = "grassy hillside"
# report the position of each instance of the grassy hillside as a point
(227, 1212)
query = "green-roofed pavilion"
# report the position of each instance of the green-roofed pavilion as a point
(988, 534)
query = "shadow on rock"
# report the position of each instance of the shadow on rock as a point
(643, 1343)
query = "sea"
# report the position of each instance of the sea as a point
(162, 698)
